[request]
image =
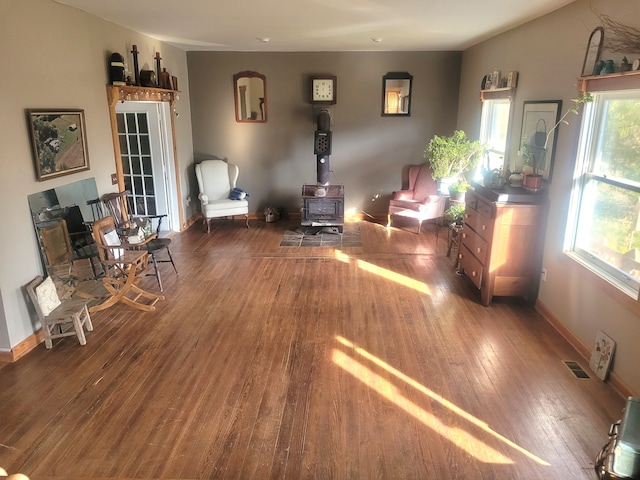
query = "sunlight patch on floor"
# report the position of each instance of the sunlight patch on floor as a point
(459, 437)
(385, 273)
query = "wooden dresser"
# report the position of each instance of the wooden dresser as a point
(502, 239)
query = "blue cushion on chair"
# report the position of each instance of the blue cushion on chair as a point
(238, 194)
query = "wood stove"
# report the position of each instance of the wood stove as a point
(322, 204)
(322, 208)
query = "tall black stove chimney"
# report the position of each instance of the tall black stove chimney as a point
(323, 204)
(322, 146)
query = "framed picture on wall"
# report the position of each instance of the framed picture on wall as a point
(538, 138)
(59, 142)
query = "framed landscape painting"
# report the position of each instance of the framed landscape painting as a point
(59, 142)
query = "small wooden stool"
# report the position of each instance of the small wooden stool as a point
(455, 235)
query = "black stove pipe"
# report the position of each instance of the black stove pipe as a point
(322, 146)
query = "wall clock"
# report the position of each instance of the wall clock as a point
(323, 89)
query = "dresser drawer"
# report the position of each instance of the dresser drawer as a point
(471, 266)
(479, 223)
(471, 200)
(475, 244)
(484, 209)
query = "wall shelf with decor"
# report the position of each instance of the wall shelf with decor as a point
(495, 93)
(122, 93)
(612, 81)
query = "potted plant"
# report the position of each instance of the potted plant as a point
(455, 213)
(535, 151)
(457, 190)
(452, 157)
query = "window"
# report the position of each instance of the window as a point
(603, 228)
(494, 126)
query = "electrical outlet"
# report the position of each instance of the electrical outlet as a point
(543, 274)
(114, 178)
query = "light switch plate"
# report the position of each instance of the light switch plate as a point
(114, 178)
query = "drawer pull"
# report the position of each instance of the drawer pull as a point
(478, 249)
(484, 227)
(473, 274)
(464, 235)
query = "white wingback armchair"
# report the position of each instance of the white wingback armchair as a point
(216, 179)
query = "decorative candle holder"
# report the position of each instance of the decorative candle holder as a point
(158, 69)
(136, 72)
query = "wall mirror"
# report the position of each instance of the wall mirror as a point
(78, 203)
(396, 94)
(250, 94)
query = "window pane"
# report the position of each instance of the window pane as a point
(618, 144)
(151, 206)
(120, 122)
(124, 147)
(147, 166)
(142, 122)
(148, 186)
(494, 128)
(135, 163)
(131, 123)
(609, 226)
(133, 144)
(137, 186)
(145, 148)
(499, 123)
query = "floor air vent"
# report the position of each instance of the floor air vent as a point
(576, 369)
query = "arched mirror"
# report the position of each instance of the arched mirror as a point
(396, 94)
(250, 94)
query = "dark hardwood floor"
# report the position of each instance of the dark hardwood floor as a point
(307, 363)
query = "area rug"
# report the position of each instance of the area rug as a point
(294, 236)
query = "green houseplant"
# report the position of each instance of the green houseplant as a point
(455, 213)
(452, 157)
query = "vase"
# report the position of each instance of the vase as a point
(456, 195)
(533, 182)
(515, 180)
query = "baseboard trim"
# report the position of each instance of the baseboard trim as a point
(585, 352)
(22, 348)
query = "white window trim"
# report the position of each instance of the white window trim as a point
(582, 176)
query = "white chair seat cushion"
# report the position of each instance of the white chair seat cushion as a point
(225, 207)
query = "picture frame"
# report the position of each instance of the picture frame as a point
(591, 56)
(59, 142)
(602, 355)
(538, 119)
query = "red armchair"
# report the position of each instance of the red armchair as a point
(421, 200)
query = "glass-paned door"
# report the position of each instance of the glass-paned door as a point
(143, 163)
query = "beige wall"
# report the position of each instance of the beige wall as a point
(56, 57)
(549, 54)
(369, 151)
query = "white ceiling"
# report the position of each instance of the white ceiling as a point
(319, 25)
